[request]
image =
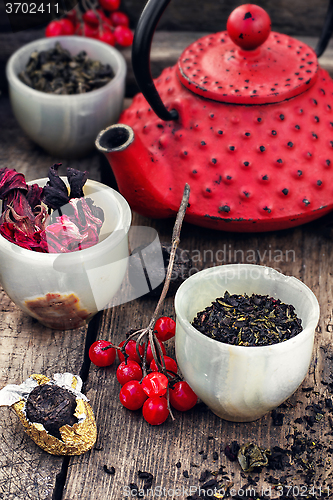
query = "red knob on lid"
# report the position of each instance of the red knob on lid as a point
(268, 67)
(249, 26)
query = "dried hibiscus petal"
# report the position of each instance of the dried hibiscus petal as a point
(73, 232)
(55, 193)
(15, 235)
(55, 181)
(34, 195)
(19, 206)
(83, 214)
(25, 222)
(77, 180)
(96, 211)
(40, 217)
(9, 180)
(54, 198)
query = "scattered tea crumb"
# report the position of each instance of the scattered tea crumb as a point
(328, 403)
(134, 489)
(185, 473)
(330, 420)
(277, 418)
(109, 470)
(204, 475)
(231, 451)
(145, 475)
(310, 420)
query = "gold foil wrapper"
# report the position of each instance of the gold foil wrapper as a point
(75, 439)
(42, 379)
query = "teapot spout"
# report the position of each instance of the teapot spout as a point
(136, 170)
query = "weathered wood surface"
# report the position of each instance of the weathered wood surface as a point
(125, 441)
(131, 445)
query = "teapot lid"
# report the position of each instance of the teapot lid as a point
(264, 67)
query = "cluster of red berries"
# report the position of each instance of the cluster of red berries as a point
(149, 392)
(105, 23)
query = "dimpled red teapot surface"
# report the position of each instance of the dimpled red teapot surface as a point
(253, 138)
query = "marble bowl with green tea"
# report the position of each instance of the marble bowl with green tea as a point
(66, 126)
(242, 383)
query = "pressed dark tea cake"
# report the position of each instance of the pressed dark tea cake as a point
(52, 406)
(54, 413)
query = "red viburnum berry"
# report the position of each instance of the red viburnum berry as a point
(132, 395)
(170, 365)
(155, 410)
(130, 370)
(105, 35)
(155, 384)
(165, 328)
(110, 5)
(100, 357)
(182, 398)
(123, 35)
(131, 351)
(119, 19)
(54, 28)
(67, 26)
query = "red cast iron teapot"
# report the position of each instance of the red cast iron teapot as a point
(245, 117)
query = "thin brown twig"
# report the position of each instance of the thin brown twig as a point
(174, 244)
(147, 334)
(150, 329)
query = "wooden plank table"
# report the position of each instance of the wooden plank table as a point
(181, 455)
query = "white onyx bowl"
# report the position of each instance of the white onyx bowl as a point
(64, 290)
(67, 125)
(241, 383)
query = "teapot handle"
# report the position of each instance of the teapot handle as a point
(143, 36)
(327, 31)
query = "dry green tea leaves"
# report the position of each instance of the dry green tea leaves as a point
(56, 71)
(257, 320)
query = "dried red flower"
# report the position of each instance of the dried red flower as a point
(26, 222)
